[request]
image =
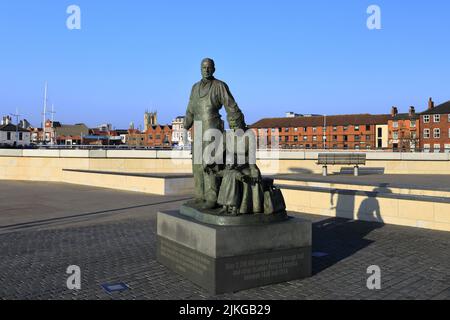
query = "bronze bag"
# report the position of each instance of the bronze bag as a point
(273, 198)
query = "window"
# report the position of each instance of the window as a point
(295, 129)
(357, 147)
(426, 133)
(413, 124)
(367, 138)
(273, 129)
(437, 148)
(380, 132)
(286, 129)
(20, 136)
(305, 129)
(158, 137)
(395, 124)
(357, 138)
(8, 136)
(437, 133)
(449, 117)
(335, 138)
(150, 137)
(345, 128)
(314, 138)
(413, 135)
(345, 138)
(426, 119)
(437, 118)
(335, 127)
(367, 127)
(305, 138)
(426, 148)
(356, 128)
(286, 138)
(447, 148)
(314, 129)
(324, 129)
(295, 138)
(395, 135)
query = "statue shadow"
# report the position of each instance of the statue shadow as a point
(337, 238)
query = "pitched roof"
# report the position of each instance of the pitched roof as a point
(405, 116)
(440, 109)
(72, 130)
(318, 121)
(11, 127)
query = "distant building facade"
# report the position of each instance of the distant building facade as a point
(435, 128)
(356, 132)
(14, 136)
(180, 138)
(159, 136)
(404, 130)
(150, 119)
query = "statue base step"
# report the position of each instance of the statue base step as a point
(228, 259)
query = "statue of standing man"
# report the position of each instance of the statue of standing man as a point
(207, 98)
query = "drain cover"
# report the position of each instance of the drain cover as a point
(115, 287)
(319, 254)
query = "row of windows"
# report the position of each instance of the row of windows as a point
(395, 135)
(9, 135)
(324, 138)
(334, 146)
(436, 118)
(436, 133)
(314, 129)
(412, 124)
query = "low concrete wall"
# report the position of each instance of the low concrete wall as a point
(47, 164)
(405, 210)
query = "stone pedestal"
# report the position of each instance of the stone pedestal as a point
(225, 259)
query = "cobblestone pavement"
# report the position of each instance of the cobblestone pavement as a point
(45, 227)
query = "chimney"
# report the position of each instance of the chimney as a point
(394, 111)
(430, 104)
(412, 111)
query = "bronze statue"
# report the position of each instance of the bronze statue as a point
(207, 98)
(236, 188)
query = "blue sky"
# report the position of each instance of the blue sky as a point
(276, 56)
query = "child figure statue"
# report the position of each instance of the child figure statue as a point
(240, 191)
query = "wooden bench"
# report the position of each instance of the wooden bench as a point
(354, 159)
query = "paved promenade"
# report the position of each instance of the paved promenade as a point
(45, 227)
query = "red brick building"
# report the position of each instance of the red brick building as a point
(435, 128)
(358, 131)
(404, 130)
(159, 136)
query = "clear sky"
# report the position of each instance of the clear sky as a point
(314, 56)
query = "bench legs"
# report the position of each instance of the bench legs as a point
(325, 171)
(356, 171)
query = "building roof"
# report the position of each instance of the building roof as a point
(440, 109)
(12, 127)
(405, 116)
(72, 130)
(318, 121)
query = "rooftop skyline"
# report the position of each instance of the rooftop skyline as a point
(305, 57)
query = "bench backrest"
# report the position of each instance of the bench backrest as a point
(342, 158)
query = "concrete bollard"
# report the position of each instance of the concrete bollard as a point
(325, 171)
(356, 171)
